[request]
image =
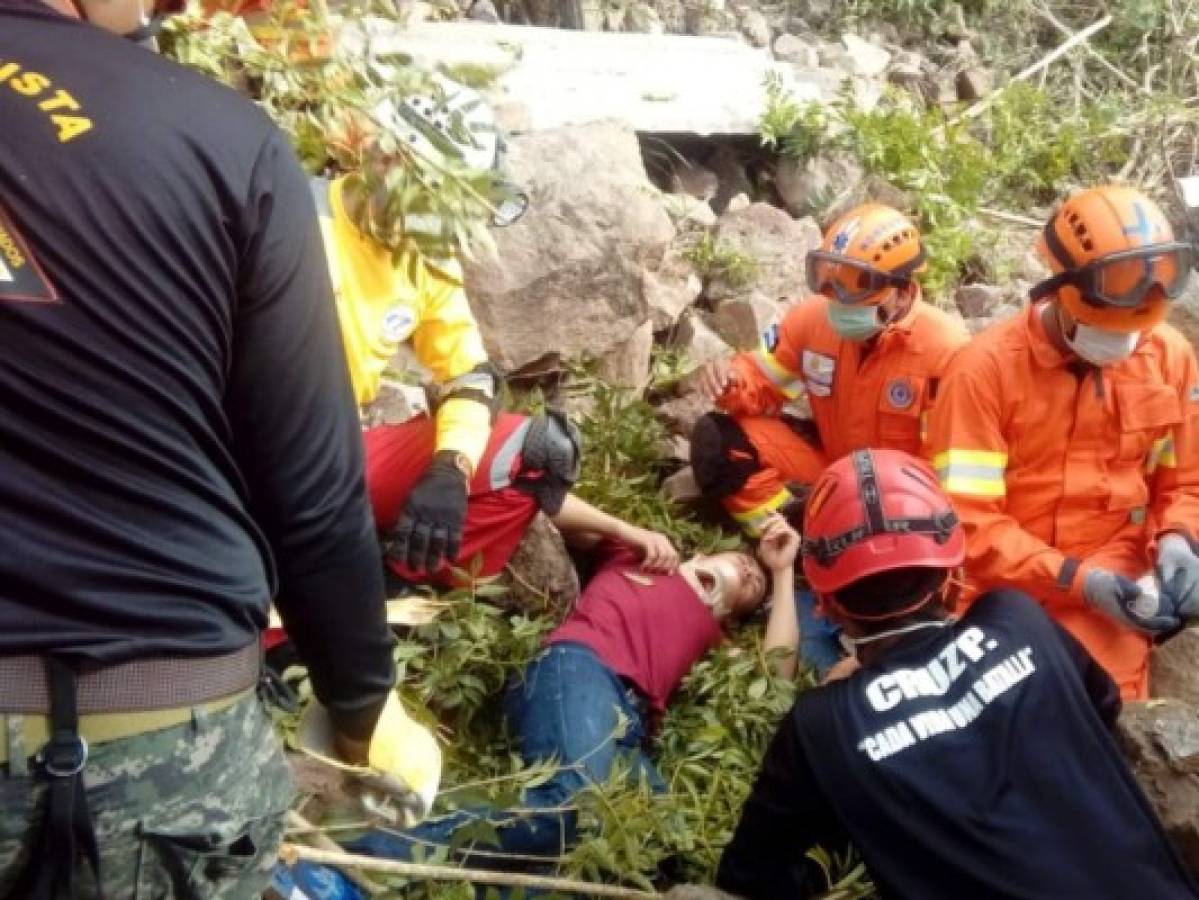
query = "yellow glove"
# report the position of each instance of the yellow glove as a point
(404, 761)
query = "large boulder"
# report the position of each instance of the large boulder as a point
(627, 364)
(567, 278)
(1184, 313)
(776, 243)
(1160, 738)
(698, 342)
(671, 287)
(741, 322)
(811, 186)
(542, 579)
(1174, 671)
(679, 414)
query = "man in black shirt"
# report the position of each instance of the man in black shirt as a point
(178, 446)
(965, 758)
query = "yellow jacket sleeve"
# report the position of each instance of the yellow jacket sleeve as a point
(447, 342)
(384, 299)
(377, 305)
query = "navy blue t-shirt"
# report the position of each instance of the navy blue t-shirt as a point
(970, 762)
(178, 440)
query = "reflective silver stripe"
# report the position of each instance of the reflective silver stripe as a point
(320, 193)
(501, 466)
(476, 381)
(965, 470)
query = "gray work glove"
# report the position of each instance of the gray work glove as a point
(1125, 602)
(1178, 572)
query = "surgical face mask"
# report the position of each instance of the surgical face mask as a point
(854, 323)
(1102, 348)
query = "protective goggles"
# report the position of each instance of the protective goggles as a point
(851, 281)
(1123, 280)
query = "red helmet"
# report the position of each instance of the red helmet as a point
(876, 511)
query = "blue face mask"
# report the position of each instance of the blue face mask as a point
(854, 323)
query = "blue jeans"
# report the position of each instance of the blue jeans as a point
(566, 709)
(819, 639)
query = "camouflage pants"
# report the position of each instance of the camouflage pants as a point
(195, 811)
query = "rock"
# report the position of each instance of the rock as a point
(977, 300)
(484, 11)
(674, 448)
(657, 83)
(939, 89)
(864, 58)
(697, 892)
(808, 188)
(755, 28)
(567, 278)
(671, 13)
(642, 18)
(1174, 668)
(778, 245)
(627, 365)
(682, 488)
(542, 579)
(794, 50)
(998, 314)
(396, 403)
(871, 189)
(1184, 315)
(738, 203)
(974, 83)
(687, 212)
(741, 322)
(700, 343)
(512, 116)
(670, 289)
(1160, 738)
(730, 172)
(694, 180)
(679, 414)
(907, 70)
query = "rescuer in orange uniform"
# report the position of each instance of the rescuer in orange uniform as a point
(1068, 437)
(866, 350)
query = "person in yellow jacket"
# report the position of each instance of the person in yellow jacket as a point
(386, 297)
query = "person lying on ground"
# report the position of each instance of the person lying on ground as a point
(590, 700)
(866, 351)
(1068, 436)
(529, 464)
(966, 757)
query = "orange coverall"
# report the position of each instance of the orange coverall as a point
(1056, 467)
(868, 394)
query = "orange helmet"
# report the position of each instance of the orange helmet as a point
(1116, 264)
(868, 250)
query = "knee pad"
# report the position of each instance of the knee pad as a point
(554, 447)
(722, 457)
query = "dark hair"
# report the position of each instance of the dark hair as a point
(891, 592)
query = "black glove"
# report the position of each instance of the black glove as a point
(430, 528)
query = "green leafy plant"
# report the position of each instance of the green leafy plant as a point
(325, 95)
(792, 129)
(716, 261)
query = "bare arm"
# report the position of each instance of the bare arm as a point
(782, 628)
(583, 526)
(777, 550)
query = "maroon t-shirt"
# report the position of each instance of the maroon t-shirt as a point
(650, 629)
